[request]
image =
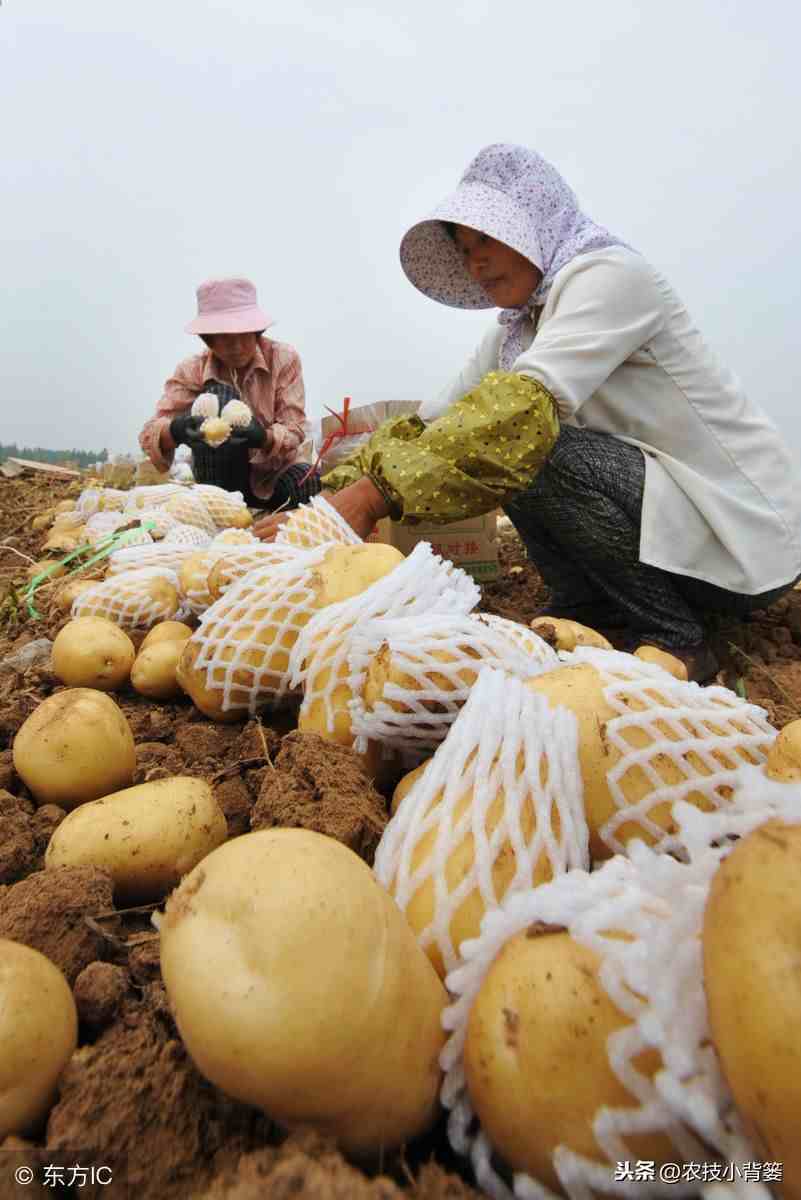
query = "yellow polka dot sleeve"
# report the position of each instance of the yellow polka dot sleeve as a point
(487, 446)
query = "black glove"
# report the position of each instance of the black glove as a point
(185, 429)
(254, 436)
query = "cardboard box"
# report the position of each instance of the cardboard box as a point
(361, 423)
(469, 544)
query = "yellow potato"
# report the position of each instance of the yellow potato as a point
(345, 571)
(566, 635)
(75, 746)
(535, 1056)
(406, 784)
(43, 520)
(154, 670)
(165, 631)
(580, 689)
(146, 837)
(752, 951)
(65, 595)
(38, 1033)
(298, 987)
(65, 506)
(93, 652)
(61, 542)
(784, 757)
(55, 569)
(661, 658)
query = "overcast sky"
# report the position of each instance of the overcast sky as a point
(149, 144)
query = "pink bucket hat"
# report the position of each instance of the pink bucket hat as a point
(228, 306)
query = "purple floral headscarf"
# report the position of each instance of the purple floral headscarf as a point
(515, 196)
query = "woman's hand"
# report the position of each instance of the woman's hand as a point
(360, 504)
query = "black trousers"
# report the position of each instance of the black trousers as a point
(580, 523)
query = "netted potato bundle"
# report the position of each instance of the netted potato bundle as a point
(238, 658)
(194, 572)
(190, 509)
(93, 500)
(314, 524)
(227, 509)
(160, 521)
(242, 560)
(648, 740)
(410, 676)
(188, 535)
(134, 558)
(152, 496)
(67, 521)
(423, 584)
(133, 599)
(101, 524)
(580, 1040)
(498, 809)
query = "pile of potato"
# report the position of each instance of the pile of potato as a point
(280, 1029)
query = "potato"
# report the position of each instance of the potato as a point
(564, 634)
(752, 949)
(43, 520)
(535, 1056)
(661, 658)
(38, 1033)
(406, 784)
(298, 987)
(93, 652)
(75, 746)
(146, 837)
(580, 689)
(65, 506)
(260, 670)
(67, 593)
(54, 569)
(784, 757)
(154, 671)
(165, 631)
(61, 542)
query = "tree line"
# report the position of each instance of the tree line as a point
(81, 458)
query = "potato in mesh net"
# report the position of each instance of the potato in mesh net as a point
(93, 500)
(580, 1039)
(498, 809)
(134, 558)
(422, 584)
(227, 509)
(418, 671)
(228, 570)
(152, 496)
(133, 599)
(194, 571)
(648, 740)
(314, 524)
(188, 535)
(238, 658)
(188, 508)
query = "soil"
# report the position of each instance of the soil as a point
(130, 1097)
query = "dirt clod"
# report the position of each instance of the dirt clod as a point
(98, 992)
(321, 786)
(48, 909)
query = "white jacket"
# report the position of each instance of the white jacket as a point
(618, 351)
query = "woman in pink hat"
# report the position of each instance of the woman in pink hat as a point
(648, 489)
(240, 363)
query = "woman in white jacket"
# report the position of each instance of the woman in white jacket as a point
(646, 486)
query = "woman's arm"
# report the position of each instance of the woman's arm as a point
(180, 391)
(487, 446)
(287, 431)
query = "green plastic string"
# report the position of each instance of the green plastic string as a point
(108, 545)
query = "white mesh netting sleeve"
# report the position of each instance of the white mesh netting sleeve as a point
(672, 740)
(151, 495)
(242, 646)
(421, 583)
(498, 809)
(161, 555)
(245, 559)
(653, 975)
(188, 535)
(132, 600)
(419, 672)
(314, 524)
(190, 509)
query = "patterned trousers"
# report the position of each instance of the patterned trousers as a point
(292, 488)
(580, 523)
